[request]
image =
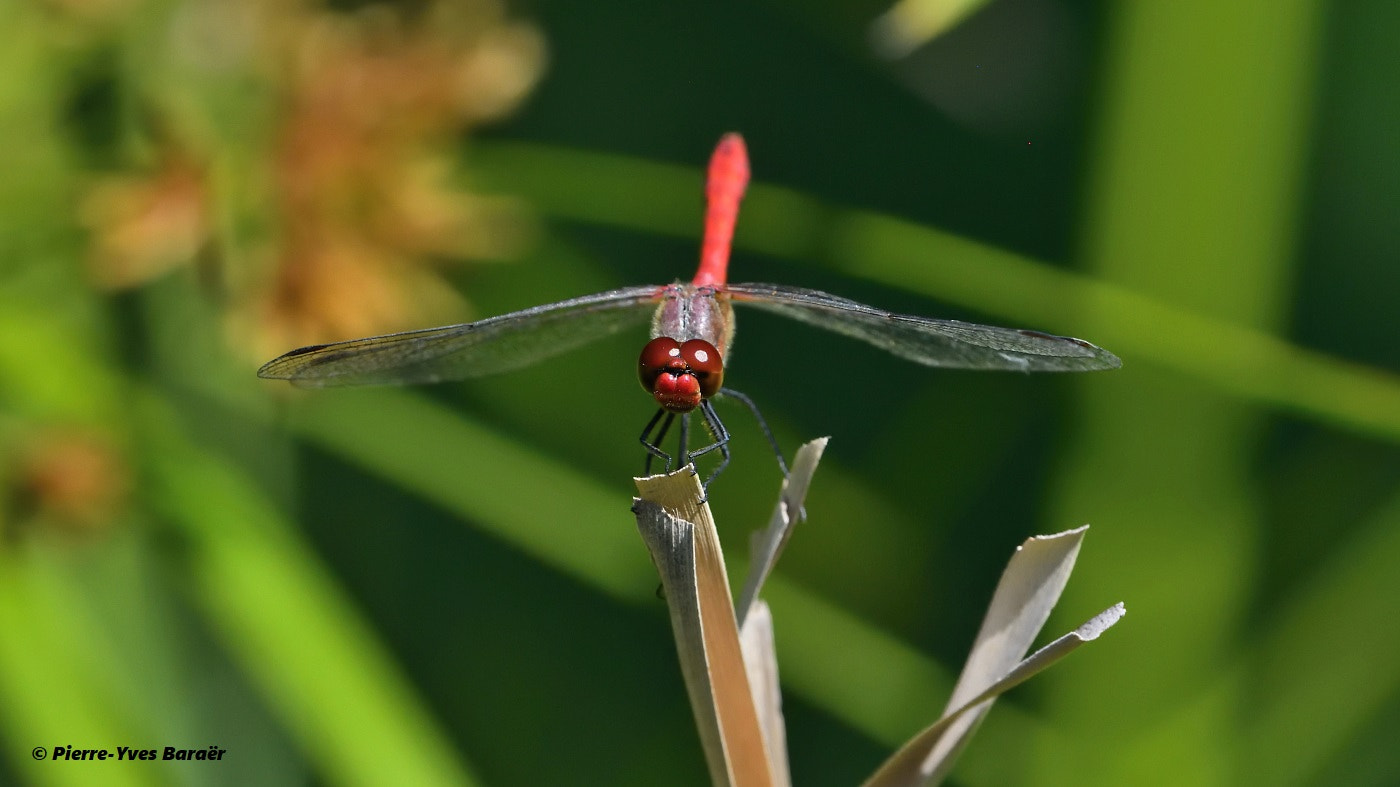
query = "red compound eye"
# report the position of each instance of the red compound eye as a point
(658, 356)
(705, 363)
(680, 376)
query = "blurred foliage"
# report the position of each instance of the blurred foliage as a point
(444, 585)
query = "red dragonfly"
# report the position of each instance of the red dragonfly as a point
(692, 326)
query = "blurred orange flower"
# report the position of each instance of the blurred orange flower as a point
(144, 227)
(72, 479)
(353, 176)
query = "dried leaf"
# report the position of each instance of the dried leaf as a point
(761, 661)
(911, 765)
(766, 545)
(688, 556)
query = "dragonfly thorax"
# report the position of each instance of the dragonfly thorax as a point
(688, 312)
(680, 375)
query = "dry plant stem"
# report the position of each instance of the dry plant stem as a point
(679, 532)
(761, 660)
(910, 765)
(766, 545)
(756, 620)
(1029, 587)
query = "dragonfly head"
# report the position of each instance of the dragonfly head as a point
(680, 375)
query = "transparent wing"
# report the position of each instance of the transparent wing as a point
(931, 342)
(473, 349)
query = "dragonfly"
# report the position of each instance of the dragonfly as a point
(692, 329)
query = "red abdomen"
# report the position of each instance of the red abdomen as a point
(724, 187)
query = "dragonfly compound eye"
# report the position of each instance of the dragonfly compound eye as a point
(704, 362)
(658, 356)
(679, 376)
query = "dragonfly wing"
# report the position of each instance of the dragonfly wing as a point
(946, 343)
(476, 349)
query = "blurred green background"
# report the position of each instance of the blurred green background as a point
(444, 585)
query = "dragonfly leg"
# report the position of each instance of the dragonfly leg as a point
(656, 429)
(654, 446)
(762, 424)
(685, 432)
(778, 452)
(721, 435)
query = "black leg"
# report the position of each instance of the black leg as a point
(658, 427)
(721, 435)
(685, 433)
(762, 424)
(654, 447)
